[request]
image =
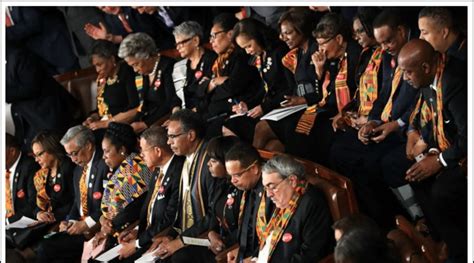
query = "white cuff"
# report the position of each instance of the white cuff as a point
(137, 243)
(400, 123)
(443, 162)
(89, 222)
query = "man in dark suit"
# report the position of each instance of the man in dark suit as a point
(21, 170)
(243, 164)
(185, 137)
(302, 217)
(89, 175)
(440, 121)
(161, 203)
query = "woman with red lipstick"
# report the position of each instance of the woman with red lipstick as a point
(117, 97)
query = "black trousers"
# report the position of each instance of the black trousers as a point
(61, 247)
(191, 254)
(443, 199)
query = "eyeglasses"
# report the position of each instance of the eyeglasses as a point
(239, 174)
(74, 153)
(213, 36)
(358, 32)
(327, 41)
(174, 136)
(38, 155)
(273, 187)
(181, 43)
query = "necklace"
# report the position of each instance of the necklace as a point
(156, 66)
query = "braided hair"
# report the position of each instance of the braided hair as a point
(121, 134)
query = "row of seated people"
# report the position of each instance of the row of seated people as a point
(393, 118)
(178, 186)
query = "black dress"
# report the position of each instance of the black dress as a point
(158, 96)
(277, 80)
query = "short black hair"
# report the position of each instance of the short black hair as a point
(243, 152)
(442, 16)
(49, 140)
(258, 31)
(156, 136)
(390, 17)
(331, 25)
(121, 134)
(366, 16)
(302, 19)
(104, 49)
(219, 146)
(190, 120)
(226, 21)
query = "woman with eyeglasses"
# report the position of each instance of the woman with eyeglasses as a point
(54, 181)
(224, 216)
(295, 31)
(189, 73)
(117, 96)
(123, 194)
(233, 79)
(267, 51)
(156, 93)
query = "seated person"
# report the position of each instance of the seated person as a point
(161, 204)
(126, 188)
(300, 227)
(83, 218)
(154, 83)
(117, 96)
(348, 223)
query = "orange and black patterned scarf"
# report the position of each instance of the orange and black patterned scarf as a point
(221, 61)
(43, 201)
(368, 84)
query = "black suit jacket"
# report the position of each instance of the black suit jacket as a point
(23, 190)
(61, 192)
(310, 229)
(165, 205)
(98, 173)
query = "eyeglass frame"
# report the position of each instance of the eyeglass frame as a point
(182, 42)
(174, 136)
(39, 154)
(359, 31)
(275, 186)
(213, 36)
(74, 153)
(239, 174)
(328, 40)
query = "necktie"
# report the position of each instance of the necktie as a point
(387, 111)
(187, 217)
(156, 190)
(8, 193)
(125, 23)
(83, 190)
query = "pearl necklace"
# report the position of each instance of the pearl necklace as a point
(155, 67)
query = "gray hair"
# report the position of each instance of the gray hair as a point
(189, 29)
(285, 166)
(81, 134)
(156, 136)
(137, 45)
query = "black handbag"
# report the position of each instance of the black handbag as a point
(22, 237)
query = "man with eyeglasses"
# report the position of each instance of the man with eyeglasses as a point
(243, 164)
(89, 176)
(300, 226)
(185, 137)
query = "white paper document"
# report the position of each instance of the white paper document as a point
(147, 257)
(24, 222)
(111, 254)
(264, 254)
(203, 242)
(278, 114)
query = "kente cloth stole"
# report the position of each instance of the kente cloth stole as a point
(258, 64)
(387, 111)
(194, 194)
(343, 97)
(154, 195)
(280, 219)
(129, 181)
(8, 196)
(102, 107)
(368, 84)
(141, 95)
(83, 190)
(221, 62)
(426, 112)
(42, 199)
(242, 207)
(290, 60)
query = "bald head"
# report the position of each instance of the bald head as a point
(418, 60)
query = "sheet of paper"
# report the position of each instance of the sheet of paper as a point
(99, 249)
(237, 115)
(278, 114)
(24, 222)
(203, 242)
(87, 250)
(265, 252)
(111, 254)
(147, 257)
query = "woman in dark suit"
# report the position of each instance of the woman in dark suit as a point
(189, 73)
(156, 93)
(54, 181)
(117, 96)
(267, 52)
